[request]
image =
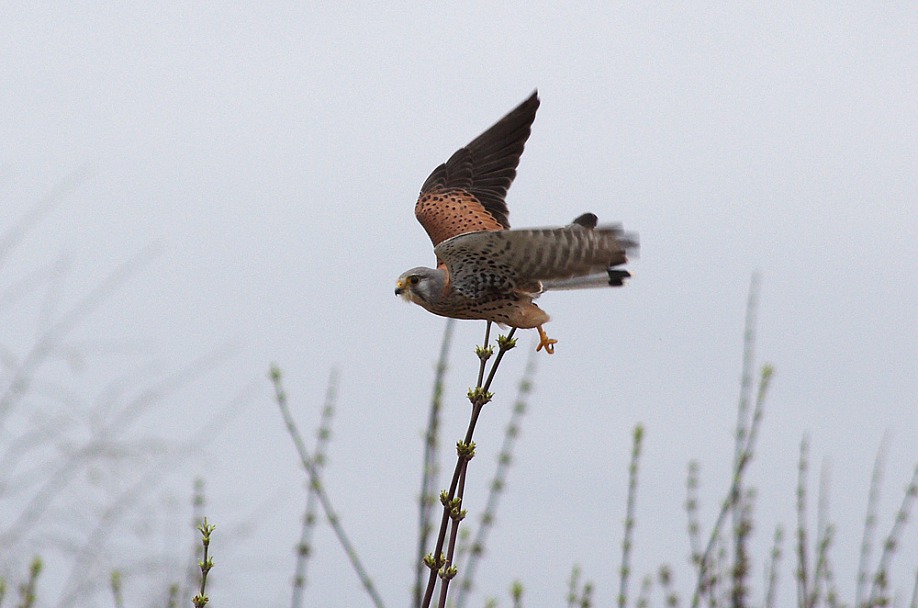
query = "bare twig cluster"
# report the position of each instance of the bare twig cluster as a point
(879, 588)
(304, 548)
(579, 594)
(428, 497)
(630, 517)
(74, 466)
(315, 481)
(441, 561)
(475, 550)
(710, 564)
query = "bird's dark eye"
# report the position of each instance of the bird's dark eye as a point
(413, 280)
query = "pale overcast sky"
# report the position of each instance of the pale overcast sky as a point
(271, 156)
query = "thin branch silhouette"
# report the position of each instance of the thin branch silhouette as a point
(440, 564)
(309, 466)
(431, 465)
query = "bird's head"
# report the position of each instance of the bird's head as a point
(420, 285)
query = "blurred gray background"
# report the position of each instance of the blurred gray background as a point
(256, 168)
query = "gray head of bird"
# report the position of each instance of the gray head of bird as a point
(420, 285)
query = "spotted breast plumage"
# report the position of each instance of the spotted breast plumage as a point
(484, 269)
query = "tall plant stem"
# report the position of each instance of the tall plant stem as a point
(473, 556)
(431, 464)
(304, 546)
(747, 431)
(310, 466)
(479, 396)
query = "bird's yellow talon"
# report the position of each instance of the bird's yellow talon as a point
(545, 342)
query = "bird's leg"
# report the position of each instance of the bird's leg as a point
(546, 342)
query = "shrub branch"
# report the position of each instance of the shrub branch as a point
(310, 466)
(440, 564)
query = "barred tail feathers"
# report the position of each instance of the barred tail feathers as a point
(612, 277)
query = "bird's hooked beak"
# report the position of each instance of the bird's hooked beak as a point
(401, 289)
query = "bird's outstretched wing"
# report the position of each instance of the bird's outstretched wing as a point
(528, 260)
(466, 193)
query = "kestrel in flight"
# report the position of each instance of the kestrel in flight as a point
(484, 269)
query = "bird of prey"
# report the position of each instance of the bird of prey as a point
(484, 269)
